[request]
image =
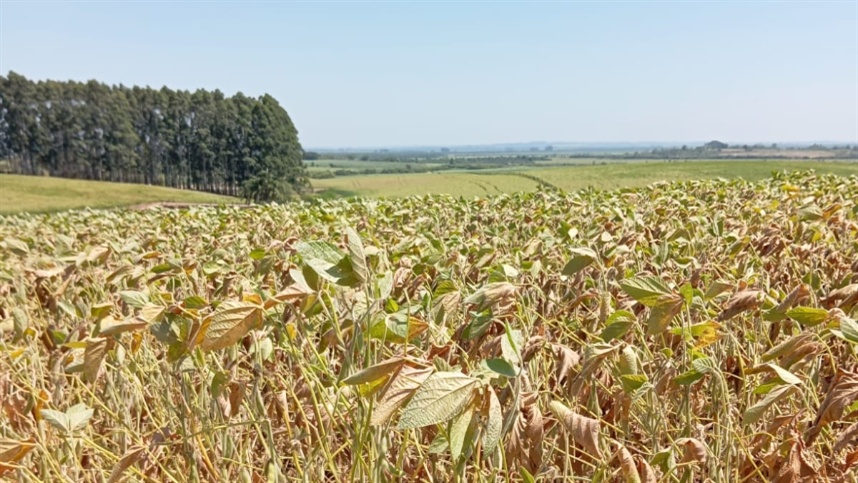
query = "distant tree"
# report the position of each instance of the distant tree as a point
(364, 158)
(445, 150)
(311, 156)
(549, 148)
(716, 145)
(201, 140)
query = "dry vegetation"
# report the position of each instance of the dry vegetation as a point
(694, 331)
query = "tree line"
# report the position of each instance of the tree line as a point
(201, 140)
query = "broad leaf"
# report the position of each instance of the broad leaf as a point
(581, 258)
(230, 323)
(808, 316)
(401, 386)
(755, 412)
(134, 298)
(646, 290)
(441, 397)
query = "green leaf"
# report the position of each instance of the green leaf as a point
(629, 363)
(502, 367)
(257, 254)
(526, 477)
(230, 323)
(375, 372)
(398, 328)
(664, 309)
(79, 416)
(633, 382)
(21, 322)
(57, 419)
(133, 298)
(440, 398)
(319, 250)
(808, 316)
(358, 255)
(163, 268)
(195, 302)
(688, 377)
(618, 325)
(687, 292)
(755, 412)
(74, 419)
(264, 347)
(444, 287)
(16, 246)
(219, 383)
(439, 444)
(100, 311)
(717, 288)
(581, 259)
(849, 329)
(327, 261)
(766, 388)
(784, 375)
(494, 423)
(459, 431)
(511, 346)
(479, 324)
(645, 290)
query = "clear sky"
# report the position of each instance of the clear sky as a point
(447, 73)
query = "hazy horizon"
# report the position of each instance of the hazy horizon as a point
(363, 75)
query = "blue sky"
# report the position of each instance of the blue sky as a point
(447, 73)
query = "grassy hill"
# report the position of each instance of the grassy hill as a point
(43, 194)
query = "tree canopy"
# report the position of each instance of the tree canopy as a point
(202, 140)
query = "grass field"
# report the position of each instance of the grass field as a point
(321, 165)
(43, 194)
(569, 178)
(456, 183)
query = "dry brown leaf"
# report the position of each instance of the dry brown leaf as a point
(525, 440)
(398, 389)
(93, 355)
(846, 437)
(693, 450)
(739, 302)
(843, 293)
(840, 395)
(795, 468)
(129, 459)
(628, 466)
(850, 460)
(584, 430)
(646, 472)
(798, 294)
(567, 360)
(13, 451)
(532, 347)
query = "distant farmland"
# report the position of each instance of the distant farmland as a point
(568, 178)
